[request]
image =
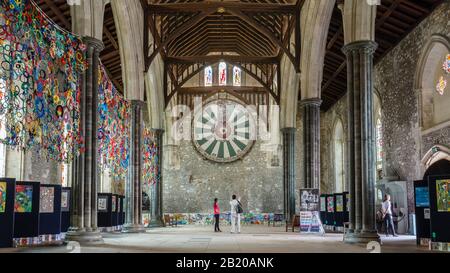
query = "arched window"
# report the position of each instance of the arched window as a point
(222, 74)
(432, 81)
(237, 76)
(208, 76)
(339, 157)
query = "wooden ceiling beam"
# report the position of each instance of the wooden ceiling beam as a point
(167, 8)
(217, 58)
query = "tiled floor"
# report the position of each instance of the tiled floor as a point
(253, 239)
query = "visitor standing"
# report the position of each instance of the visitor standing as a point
(236, 211)
(387, 215)
(217, 215)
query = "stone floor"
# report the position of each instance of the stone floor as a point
(253, 239)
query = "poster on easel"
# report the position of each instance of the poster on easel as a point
(310, 211)
(7, 198)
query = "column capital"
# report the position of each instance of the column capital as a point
(94, 42)
(137, 103)
(289, 130)
(158, 132)
(368, 47)
(310, 102)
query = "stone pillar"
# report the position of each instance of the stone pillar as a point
(361, 166)
(289, 172)
(85, 185)
(311, 142)
(156, 217)
(133, 189)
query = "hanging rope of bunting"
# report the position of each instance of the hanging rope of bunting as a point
(150, 159)
(41, 67)
(113, 128)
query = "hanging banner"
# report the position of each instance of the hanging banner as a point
(113, 128)
(41, 68)
(150, 171)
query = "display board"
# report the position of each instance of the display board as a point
(330, 210)
(66, 199)
(310, 211)
(323, 208)
(104, 215)
(122, 210)
(439, 190)
(339, 214)
(422, 205)
(26, 210)
(346, 207)
(114, 210)
(50, 210)
(7, 197)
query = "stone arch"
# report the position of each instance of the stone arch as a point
(128, 17)
(359, 20)
(315, 22)
(434, 155)
(425, 82)
(87, 18)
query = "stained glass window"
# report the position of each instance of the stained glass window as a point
(237, 76)
(222, 74)
(442, 82)
(208, 76)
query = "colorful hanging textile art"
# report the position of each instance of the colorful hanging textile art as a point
(113, 128)
(446, 64)
(41, 66)
(150, 170)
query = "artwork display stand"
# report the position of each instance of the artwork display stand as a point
(65, 209)
(346, 207)
(122, 211)
(115, 211)
(323, 208)
(439, 190)
(310, 222)
(50, 214)
(422, 209)
(26, 215)
(331, 208)
(339, 214)
(7, 198)
(104, 203)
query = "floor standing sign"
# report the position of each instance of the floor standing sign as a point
(310, 211)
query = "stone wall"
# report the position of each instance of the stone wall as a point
(394, 75)
(192, 185)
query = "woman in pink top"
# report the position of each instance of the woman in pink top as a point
(216, 215)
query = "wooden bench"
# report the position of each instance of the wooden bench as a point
(295, 222)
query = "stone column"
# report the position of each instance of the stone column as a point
(85, 191)
(133, 190)
(156, 217)
(311, 142)
(361, 167)
(289, 172)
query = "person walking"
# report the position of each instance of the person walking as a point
(387, 215)
(217, 215)
(236, 211)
